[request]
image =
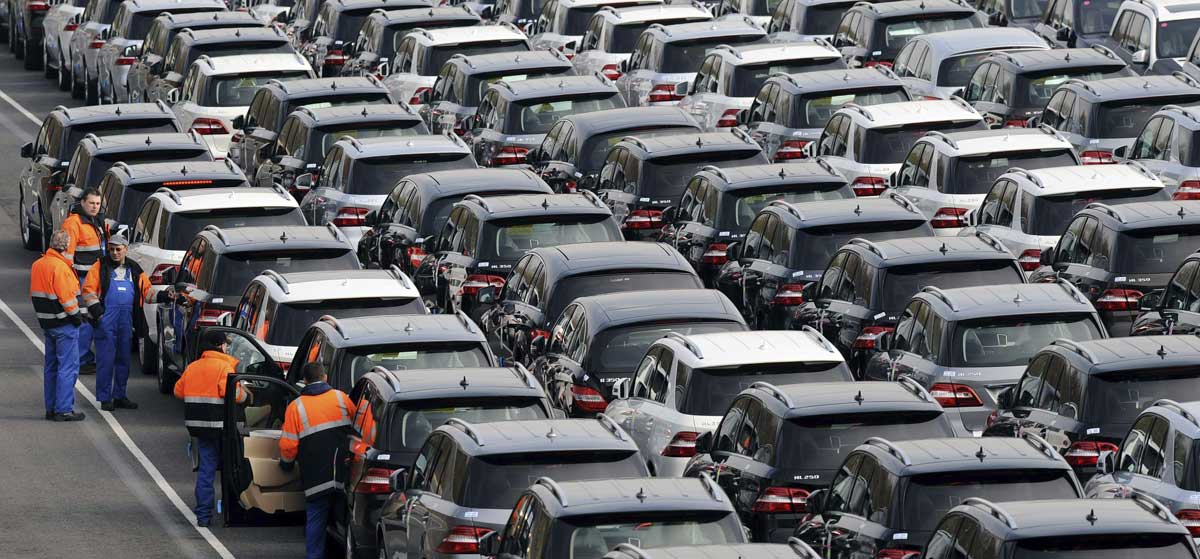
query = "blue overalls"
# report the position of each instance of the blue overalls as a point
(116, 337)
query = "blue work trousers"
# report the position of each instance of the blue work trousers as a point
(317, 512)
(114, 340)
(209, 450)
(61, 368)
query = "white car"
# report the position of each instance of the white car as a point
(421, 54)
(216, 90)
(58, 25)
(562, 22)
(612, 32)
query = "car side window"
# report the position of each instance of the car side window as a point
(1052, 115)
(766, 248)
(904, 327)
(841, 490)
(1144, 144)
(1130, 456)
(420, 467)
(661, 376)
(645, 369)
(845, 290)
(730, 426)
(1162, 142)
(1179, 294)
(941, 544)
(143, 226)
(1182, 459)
(1031, 382)
(1154, 457)
(754, 237)
(832, 276)
(908, 170)
(1004, 212)
(918, 342)
(639, 59)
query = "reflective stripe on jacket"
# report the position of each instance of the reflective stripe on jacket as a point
(54, 288)
(315, 431)
(202, 389)
(87, 243)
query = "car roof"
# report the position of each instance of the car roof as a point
(920, 250)
(949, 43)
(731, 179)
(966, 454)
(905, 8)
(206, 19)
(539, 436)
(722, 551)
(465, 181)
(731, 349)
(357, 113)
(1170, 10)
(820, 398)
(912, 112)
(400, 329)
(337, 284)
(438, 13)
(274, 237)
(328, 87)
(400, 145)
(241, 63)
(1148, 215)
(1017, 299)
(1131, 353)
(1050, 181)
(821, 213)
(108, 113)
(600, 122)
(630, 307)
(630, 15)
(1135, 87)
(976, 142)
(1187, 118)
(1039, 60)
(701, 142)
(837, 80)
(535, 205)
(755, 53)
(583, 258)
(630, 496)
(141, 142)
(152, 5)
(706, 29)
(231, 35)
(1015, 520)
(458, 383)
(1189, 411)
(506, 61)
(177, 170)
(475, 33)
(556, 86)
(207, 199)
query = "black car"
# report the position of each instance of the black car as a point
(574, 150)
(794, 549)
(381, 32)
(124, 188)
(327, 45)
(1175, 309)
(153, 78)
(807, 17)
(483, 238)
(1077, 23)
(719, 205)
(778, 444)
(403, 229)
(1117, 254)
(771, 271)
(873, 34)
(599, 340)
(867, 284)
(643, 176)
(1084, 396)
(545, 281)
(149, 64)
(908, 486)
(1013, 13)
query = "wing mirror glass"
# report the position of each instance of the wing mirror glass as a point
(704, 443)
(489, 544)
(1004, 398)
(816, 501)
(396, 480)
(1047, 256)
(682, 88)
(1063, 34)
(1106, 463)
(27, 150)
(1141, 57)
(733, 251)
(173, 95)
(1151, 301)
(486, 295)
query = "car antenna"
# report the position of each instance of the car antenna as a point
(118, 111)
(183, 170)
(783, 173)
(1162, 351)
(408, 328)
(699, 142)
(858, 209)
(1091, 517)
(981, 454)
(283, 238)
(545, 204)
(1018, 300)
(464, 384)
(552, 434)
(943, 250)
(859, 398)
(1181, 212)
(364, 111)
(333, 85)
(641, 494)
(148, 142)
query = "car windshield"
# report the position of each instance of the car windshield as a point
(238, 90)
(375, 176)
(1026, 9)
(1126, 119)
(1011, 341)
(821, 442)
(930, 496)
(749, 78)
(900, 283)
(814, 246)
(1051, 214)
(595, 148)
(823, 19)
(570, 288)
(101, 163)
(290, 321)
(436, 57)
(736, 214)
(327, 136)
(120, 126)
(956, 71)
(1105, 546)
(419, 355)
(975, 175)
(592, 537)
(815, 111)
(509, 239)
(537, 116)
(666, 177)
(711, 390)
(1175, 36)
(495, 482)
(896, 34)
(182, 227)
(1034, 90)
(477, 85)
(412, 422)
(1095, 17)
(1155, 251)
(235, 270)
(891, 144)
(680, 57)
(619, 350)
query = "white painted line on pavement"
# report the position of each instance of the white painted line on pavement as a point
(20, 109)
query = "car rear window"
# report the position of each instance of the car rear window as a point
(930, 496)
(323, 138)
(900, 283)
(592, 536)
(123, 126)
(536, 116)
(1126, 119)
(238, 90)
(102, 163)
(814, 111)
(595, 148)
(232, 49)
(570, 288)
(893, 33)
(182, 227)
(437, 56)
(1119, 396)
(749, 78)
(139, 24)
(815, 246)
(666, 177)
(891, 144)
(1050, 215)
(477, 85)
(822, 442)
(1105, 546)
(495, 482)
(1096, 16)
(375, 176)
(744, 204)
(619, 350)
(510, 239)
(1035, 88)
(1010, 341)
(710, 391)
(1155, 251)
(401, 357)
(411, 422)
(975, 175)
(324, 102)
(823, 19)
(290, 320)
(235, 270)
(685, 56)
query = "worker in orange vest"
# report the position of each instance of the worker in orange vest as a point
(85, 225)
(316, 429)
(54, 288)
(202, 389)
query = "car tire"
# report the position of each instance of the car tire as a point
(165, 385)
(148, 356)
(28, 240)
(47, 71)
(31, 62)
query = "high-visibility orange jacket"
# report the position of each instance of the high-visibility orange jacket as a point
(54, 287)
(202, 389)
(315, 430)
(94, 288)
(86, 244)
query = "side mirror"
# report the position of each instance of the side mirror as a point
(486, 12)
(396, 480)
(537, 346)
(534, 156)
(1047, 256)
(996, 19)
(1140, 57)
(1151, 301)
(225, 320)
(894, 179)
(1106, 463)
(424, 96)
(682, 88)
(622, 388)
(486, 295)
(885, 341)
(27, 150)
(623, 66)
(489, 545)
(105, 34)
(173, 95)
(74, 191)
(733, 251)
(669, 214)
(239, 122)
(1004, 398)
(816, 501)
(1121, 152)
(304, 181)
(704, 443)
(168, 276)
(1063, 34)
(972, 217)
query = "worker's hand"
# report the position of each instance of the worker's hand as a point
(75, 319)
(285, 465)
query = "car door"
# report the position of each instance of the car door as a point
(833, 146)
(769, 268)
(425, 512)
(1073, 253)
(1181, 301)
(631, 413)
(860, 530)
(1141, 462)
(724, 444)
(745, 476)
(638, 72)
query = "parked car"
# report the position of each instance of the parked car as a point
(939, 65)
(381, 32)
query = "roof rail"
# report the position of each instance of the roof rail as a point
(943, 137)
(786, 76)
(205, 59)
(1106, 209)
(993, 510)
(990, 241)
(630, 549)
(353, 141)
(278, 279)
(229, 164)
(1033, 179)
(903, 201)
(306, 111)
(890, 448)
(855, 106)
(859, 241)
(1074, 348)
(915, 387)
(123, 165)
(1042, 445)
(477, 199)
(1105, 51)
(170, 194)
(635, 141)
(886, 71)
(1071, 289)
(520, 371)
(963, 102)
(775, 391)
(745, 136)
(163, 106)
(787, 207)
(1046, 128)
(1177, 408)
(1141, 168)
(462, 317)
(280, 190)
(711, 486)
(803, 550)
(466, 428)
(729, 49)
(1174, 108)
(1083, 85)
(819, 338)
(821, 41)
(400, 276)
(277, 83)
(554, 488)
(1151, 504)
(1185, 78)
(337, 233)
(716, 171)
(825, 164)
(215, 231)
(938, 293)
(660, 27)
(612, 427)
(686, 343)
(1010, 57)
(333, 323)
(93, 137)
(62, 108)
(596, 201)
(388, 375)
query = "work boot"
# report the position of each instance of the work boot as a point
(49, 415)
(125, 404)
(87, 369)
(204, 523)
(71, 416)
(107, 405)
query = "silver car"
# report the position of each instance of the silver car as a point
(1165, 147)
(421, 54)
(562, 22)
(85, 44)
(612, 32)
(684, 385)
(58, 26)
(939, 65)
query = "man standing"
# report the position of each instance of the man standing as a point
(316, 429)
(202, 389)
(114, 291)
(53, 286)
(86, 228)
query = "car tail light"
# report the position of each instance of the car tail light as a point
(643, 219)
(475, 282)
(868, 186)
(209, 317)
(1086, 453)
(789, 294)
(193, 182)
(284, 365)
(156, 277)
(1188, 190)
(563, 49)
(791, 149)
(874, 63)
(95, 44)
(570, 187)
(1015, 123)
(462, 540)
(663, 93)
(1030, 259)
(611, 71)
(335, 58)
(1190, 518)
(1119, 300)
(415, 256)
(682, 445)
(728, 118)
(893, 553)
(1096, 157)
(951, 395)
(416, 98)
(125, 61)
(70, 27)
(351, 216)
(869, 338)
(588, 399)
(947, 218)
(715, 254)
(782, 499)
(374, 482)
(930, 98)
(37, 6)
(207, 126)
(509, 155)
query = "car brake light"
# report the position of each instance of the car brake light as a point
(611, 71)
(1086, 453)
(374, 482)
(284, 365)
(95, 44)
(70, 27)
(125, 61)
(682, 445)
(643, 219)
(874, 63)
(1015, 123)
(893, 553)
(782, 499)
(156, 277)
(462, 540)
(1096, 157)
(948, 218)
(509, 155)
(209, 317)
(663, 93)
(37, 6)
(789, 294)
(415, 256)
(1190, 518)
(791, 149)
(930, 98)
(869, 338)
(563, 49)
(416, 98)
(728, 118)
(1119, 300)
(191, 182)
(1030, 259)
(951, 395)
(475, 282)
(715, 254)
(868, 186)
(335, 58)
(351, 216)
(208, 126)
(1188, 190)
(588, 399)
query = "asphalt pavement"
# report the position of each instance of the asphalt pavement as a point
(116, 485)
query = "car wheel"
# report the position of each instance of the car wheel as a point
(31, 62)
(28, 241)
(148, 356)
(165, 385)
(47, 71)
